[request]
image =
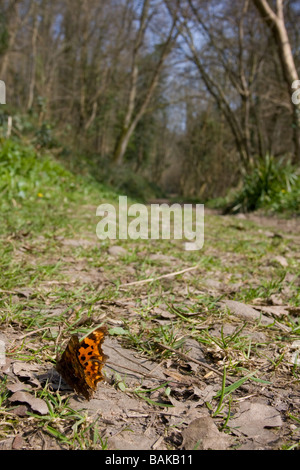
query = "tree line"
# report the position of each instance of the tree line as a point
(188, 93)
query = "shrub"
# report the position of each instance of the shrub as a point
(272, 184)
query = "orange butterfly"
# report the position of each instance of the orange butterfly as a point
(82, 361)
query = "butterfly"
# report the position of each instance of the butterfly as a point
(81, 363)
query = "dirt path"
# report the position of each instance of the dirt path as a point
(170, 342)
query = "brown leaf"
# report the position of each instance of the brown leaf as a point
(246, 311)
(18, 442)
(253, 420)
(281, 260)
(24, 369)
(37, 404)
(175, 375)
(116, 250)
(203, 434)
(276, 310)
(20, 410)
(163, 313)
(17, 386)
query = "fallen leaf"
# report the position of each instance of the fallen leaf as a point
(206, 394)
(214, 284)
(246, 311)
(73, 242)
(26, 371)
(193, 349)
(281, 260)
(36, 404)
(253, 420)
(175, 375)
(276, 310)
(128, 441)
(18, 442)
(23, 369)
(294, 310)
(20, 411)
(6, 444)
(116, 250)
(203, 434)
(17, 386)
(24, 292)
(163, 313)
(276, 299)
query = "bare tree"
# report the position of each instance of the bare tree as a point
(276, 22)
(135, 111)
(15, 19)
(33, 57)
(118, 80)
(228, 60)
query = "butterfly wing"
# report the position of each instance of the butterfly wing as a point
(91, 356)
(82, 361)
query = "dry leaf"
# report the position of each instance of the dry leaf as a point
(20, 411)
(254, 419)
(276, 310)
(281, 260)
(36, 404)
(246, 311)
(24, 369)
(116, 250)
(203, 434)
(18, 386)
(18, 442)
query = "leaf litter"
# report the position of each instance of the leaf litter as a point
(227, 378)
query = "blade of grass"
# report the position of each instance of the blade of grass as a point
(234, 386)
(222, 393)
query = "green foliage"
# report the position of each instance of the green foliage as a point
(272, 184)
(206, 146)
(44, 136)
(37, 191)
(130, 184)
(24, 175)
(123, 180)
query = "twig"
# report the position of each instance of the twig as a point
(33, 332)
(189, 358)
(144, 281)
(8, 291)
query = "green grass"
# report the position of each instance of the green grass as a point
(39, 194)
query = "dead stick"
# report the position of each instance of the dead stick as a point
(144, 281)
(189, 358)
(33, 332)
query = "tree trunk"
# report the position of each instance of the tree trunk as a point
(275, 21)
(33, 66)
(131, 121)
(214, 88)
